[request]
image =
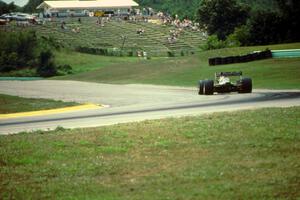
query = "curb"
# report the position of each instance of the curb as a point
(50, 111)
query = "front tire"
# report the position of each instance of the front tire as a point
(208, 87)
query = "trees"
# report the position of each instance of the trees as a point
(22, 50)
(17, 50)
(30, 7)
(46, 67)
(268, 27)
(7, 8)
(290, 14)
(183, 8)
(220, 17)
(230, 21)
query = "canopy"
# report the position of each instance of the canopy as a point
(98, 4)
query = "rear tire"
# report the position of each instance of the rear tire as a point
(200, 84)
(208, 87)
(246, 85)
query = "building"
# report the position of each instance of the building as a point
(82, 8)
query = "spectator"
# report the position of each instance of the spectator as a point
(140, 31)
(139, 54)
(76, 30)
(63, 25)
(145, 55)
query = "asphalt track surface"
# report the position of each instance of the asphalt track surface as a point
(130, 103)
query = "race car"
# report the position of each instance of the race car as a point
(223, 84)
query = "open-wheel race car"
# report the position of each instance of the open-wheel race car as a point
(223, 84)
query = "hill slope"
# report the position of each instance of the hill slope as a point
(122, 35)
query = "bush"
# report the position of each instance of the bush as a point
(18, 50)
(130, 53)
(241, 35)
(232, 41)
(213, 43)
(46, 66)
(64, 69)
(171, 54)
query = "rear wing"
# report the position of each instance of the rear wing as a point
(219, 74)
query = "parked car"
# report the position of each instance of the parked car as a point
(8, 16)
(18, 17)
(3, 22)
(24, 17)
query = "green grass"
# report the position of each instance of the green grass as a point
(81, 62)
(13, 104)
(154, 40)
(240, 155)
(278, 73)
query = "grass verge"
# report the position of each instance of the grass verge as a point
(240, 155)
(13, 104)
(281, 73)
(82, 62)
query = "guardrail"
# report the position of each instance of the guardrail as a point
(257, 55)
(288, 53)
(20, 78)
(240, 59)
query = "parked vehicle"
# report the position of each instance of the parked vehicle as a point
(18, 17)
(3, 22)
(223, 84)
(8, 16)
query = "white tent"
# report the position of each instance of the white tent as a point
(96, 4)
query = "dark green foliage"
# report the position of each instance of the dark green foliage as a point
(31, 5)
(290, 13)
(213, 43)
(7, 8)
(171, 54)
(188, 8)
(183, 8)
(23, 50)
(220, 17)
(105, 52)
(260, 4)
(266, 28)
(46, 66)
(227, 20)
(64, 69)
(17, 50)
(51, 42)
(269, 27)
(241, 34)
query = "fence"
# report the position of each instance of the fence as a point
(289, 53)
(240, 59)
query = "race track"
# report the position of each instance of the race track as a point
(129, 103)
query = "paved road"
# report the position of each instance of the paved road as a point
(128, 103)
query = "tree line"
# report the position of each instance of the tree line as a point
(24, 50)
(7, 8)
(30, 7)
(188, 8)
(230, 23)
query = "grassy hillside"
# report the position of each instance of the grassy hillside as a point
(186, 71)
(154, 40)
(255, 156)
(81, 62)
